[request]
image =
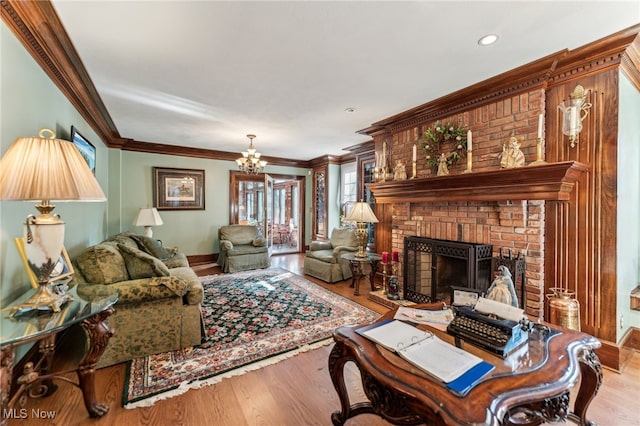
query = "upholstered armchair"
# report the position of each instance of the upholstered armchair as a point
(323, 261)
(242, 248)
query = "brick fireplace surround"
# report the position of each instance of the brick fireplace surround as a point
(501, 224)
(509, 224)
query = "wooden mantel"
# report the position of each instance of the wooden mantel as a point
(553, 181)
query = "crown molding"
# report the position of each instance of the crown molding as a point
(38, 28)
(617, 50)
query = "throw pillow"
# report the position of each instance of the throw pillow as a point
(259, 242)
(142, 265)
(102, 264)
(152, 247)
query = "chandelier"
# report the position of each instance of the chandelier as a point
(250, 161)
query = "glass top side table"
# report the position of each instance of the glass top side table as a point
(87, 310)
(358, 271)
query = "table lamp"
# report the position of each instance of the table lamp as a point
(45, 169)
(148, 217)
(362, 214)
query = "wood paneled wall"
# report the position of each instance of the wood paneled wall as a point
(578, 237)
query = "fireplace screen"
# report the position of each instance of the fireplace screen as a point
(432, 266)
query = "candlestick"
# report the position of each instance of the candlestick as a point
(415, 170)
(539, 161)
(469, 168)
(469, 152)
(540, 121)
(395, 256)
(385, 257)
(415, 153)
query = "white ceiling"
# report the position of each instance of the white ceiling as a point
(205, 73)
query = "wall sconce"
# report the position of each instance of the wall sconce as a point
(574, 114)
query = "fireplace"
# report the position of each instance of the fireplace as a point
(432, 266)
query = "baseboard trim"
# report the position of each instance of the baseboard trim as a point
(615, 356)
(200, 259)
(631, 339)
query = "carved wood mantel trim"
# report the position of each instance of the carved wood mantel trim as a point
(553, 182)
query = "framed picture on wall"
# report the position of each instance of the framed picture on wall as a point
(178, 189)
(85, 147)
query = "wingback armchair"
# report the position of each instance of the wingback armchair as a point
(323, 261)
(242, 249)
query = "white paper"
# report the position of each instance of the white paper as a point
(465, 298)
(423, 316)
(423, 349)
(437, 357)
(395, 335)
(501, 310)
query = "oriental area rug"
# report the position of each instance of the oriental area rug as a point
(251, 319)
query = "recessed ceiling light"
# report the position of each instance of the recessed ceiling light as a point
(350, 110)
(488, 39)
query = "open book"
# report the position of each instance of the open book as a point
(458, 369)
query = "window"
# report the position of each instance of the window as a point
(349, 179)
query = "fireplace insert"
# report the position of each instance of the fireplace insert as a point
(432, 266)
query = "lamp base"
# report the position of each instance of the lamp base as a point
(148, 232)
(362, 235)
(361, 254)
(43, 298)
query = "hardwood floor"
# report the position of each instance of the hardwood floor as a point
(296, 391)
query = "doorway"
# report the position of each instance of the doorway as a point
(278, 210)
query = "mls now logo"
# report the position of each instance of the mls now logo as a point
(23, 413)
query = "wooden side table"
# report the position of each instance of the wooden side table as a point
(358, 271)
(43, 327)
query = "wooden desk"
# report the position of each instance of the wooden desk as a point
(530, 386)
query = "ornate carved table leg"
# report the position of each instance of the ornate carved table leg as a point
(372, 274)
(99, 335)
(339, 356)
(591, 380)
(6, 374)
(356, 271)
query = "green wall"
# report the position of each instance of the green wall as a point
(193, 231)
(29, 101)
(628, 215)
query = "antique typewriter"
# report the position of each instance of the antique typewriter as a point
(499, 336)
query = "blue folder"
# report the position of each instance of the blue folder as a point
(465, 382)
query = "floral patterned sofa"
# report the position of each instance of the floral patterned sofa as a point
(158, 308)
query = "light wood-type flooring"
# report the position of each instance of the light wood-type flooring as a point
(296, 391)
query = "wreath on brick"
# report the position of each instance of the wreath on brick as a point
(444, 138)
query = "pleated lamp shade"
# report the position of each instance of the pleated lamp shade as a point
(35, 169)
(361, 212)
(45, 169)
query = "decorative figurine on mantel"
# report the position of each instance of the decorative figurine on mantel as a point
(443, 170)
(399, 172)
(511, 155)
